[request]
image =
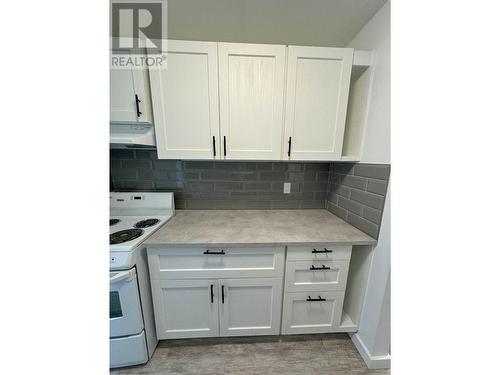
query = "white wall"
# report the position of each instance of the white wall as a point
(373, 337)
(375, 36)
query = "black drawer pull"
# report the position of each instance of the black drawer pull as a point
(312, 268)
(213, 144)
(222, 293)
(314, 251)
(208, 252)
(212, 292)
(289, 146)
(309, 299)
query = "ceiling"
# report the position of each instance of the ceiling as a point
(300, 22)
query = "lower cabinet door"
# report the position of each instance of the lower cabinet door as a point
(185, 308)
(312, 312)
(250, 307)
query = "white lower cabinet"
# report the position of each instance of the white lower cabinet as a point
(312, 312)
(185, 308)
(216, 292)
(224, 307)
(250, 307)
(315, 283)
(200, 292)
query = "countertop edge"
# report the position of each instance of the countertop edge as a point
(257, 244)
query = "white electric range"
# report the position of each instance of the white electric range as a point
(134, 217)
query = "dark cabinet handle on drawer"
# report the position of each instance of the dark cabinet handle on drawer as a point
(208, 252)
(212, 293)
(309, 299)
(312, 268)
(213, 144)
(222, 293)
(314, 251)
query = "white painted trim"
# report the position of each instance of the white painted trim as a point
(362, 58)
(368, 104)
(372, 362)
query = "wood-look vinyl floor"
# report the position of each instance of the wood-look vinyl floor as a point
(332, 354)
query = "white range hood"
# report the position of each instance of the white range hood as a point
(123, 135)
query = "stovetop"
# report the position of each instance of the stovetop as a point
(127, 233)
(135, 216)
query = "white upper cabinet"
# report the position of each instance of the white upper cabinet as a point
(260, 117)
(130, 101)
(317, 92)
(251, 82)
(185, 101)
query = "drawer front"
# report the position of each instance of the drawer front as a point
(316, 275)
(319, 253)
(128, 351)
(206, 263)
(301, 315)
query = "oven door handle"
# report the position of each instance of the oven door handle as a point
(128, 275)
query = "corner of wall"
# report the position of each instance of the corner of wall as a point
(372, 362)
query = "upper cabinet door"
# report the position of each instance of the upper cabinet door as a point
(316, 102)
(130, 101)
(251, 81)
(185, 101)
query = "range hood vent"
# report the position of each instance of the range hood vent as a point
(131, 135)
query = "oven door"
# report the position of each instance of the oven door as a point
(125, 314)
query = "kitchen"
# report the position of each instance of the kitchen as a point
(246, 161)
(249, 187)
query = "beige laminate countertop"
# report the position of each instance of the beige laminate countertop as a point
(225, 228)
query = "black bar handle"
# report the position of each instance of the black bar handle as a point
(314, 251)
(137, 101)
(309, 299)
(312, 268)
(213, 143)
(224, 146)
(289, 146)
(222, 293)
(212, 292)
(208, 252)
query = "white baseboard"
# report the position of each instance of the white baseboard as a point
(372, 362)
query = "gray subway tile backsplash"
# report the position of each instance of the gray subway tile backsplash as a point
(368, 199)
(222, 184)
(362, 224)
(339, 211)
(357, 194)
(378, 171)
(352, 191)
(350, 205)
(377, 187)
(375, 216)
(352, 181)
